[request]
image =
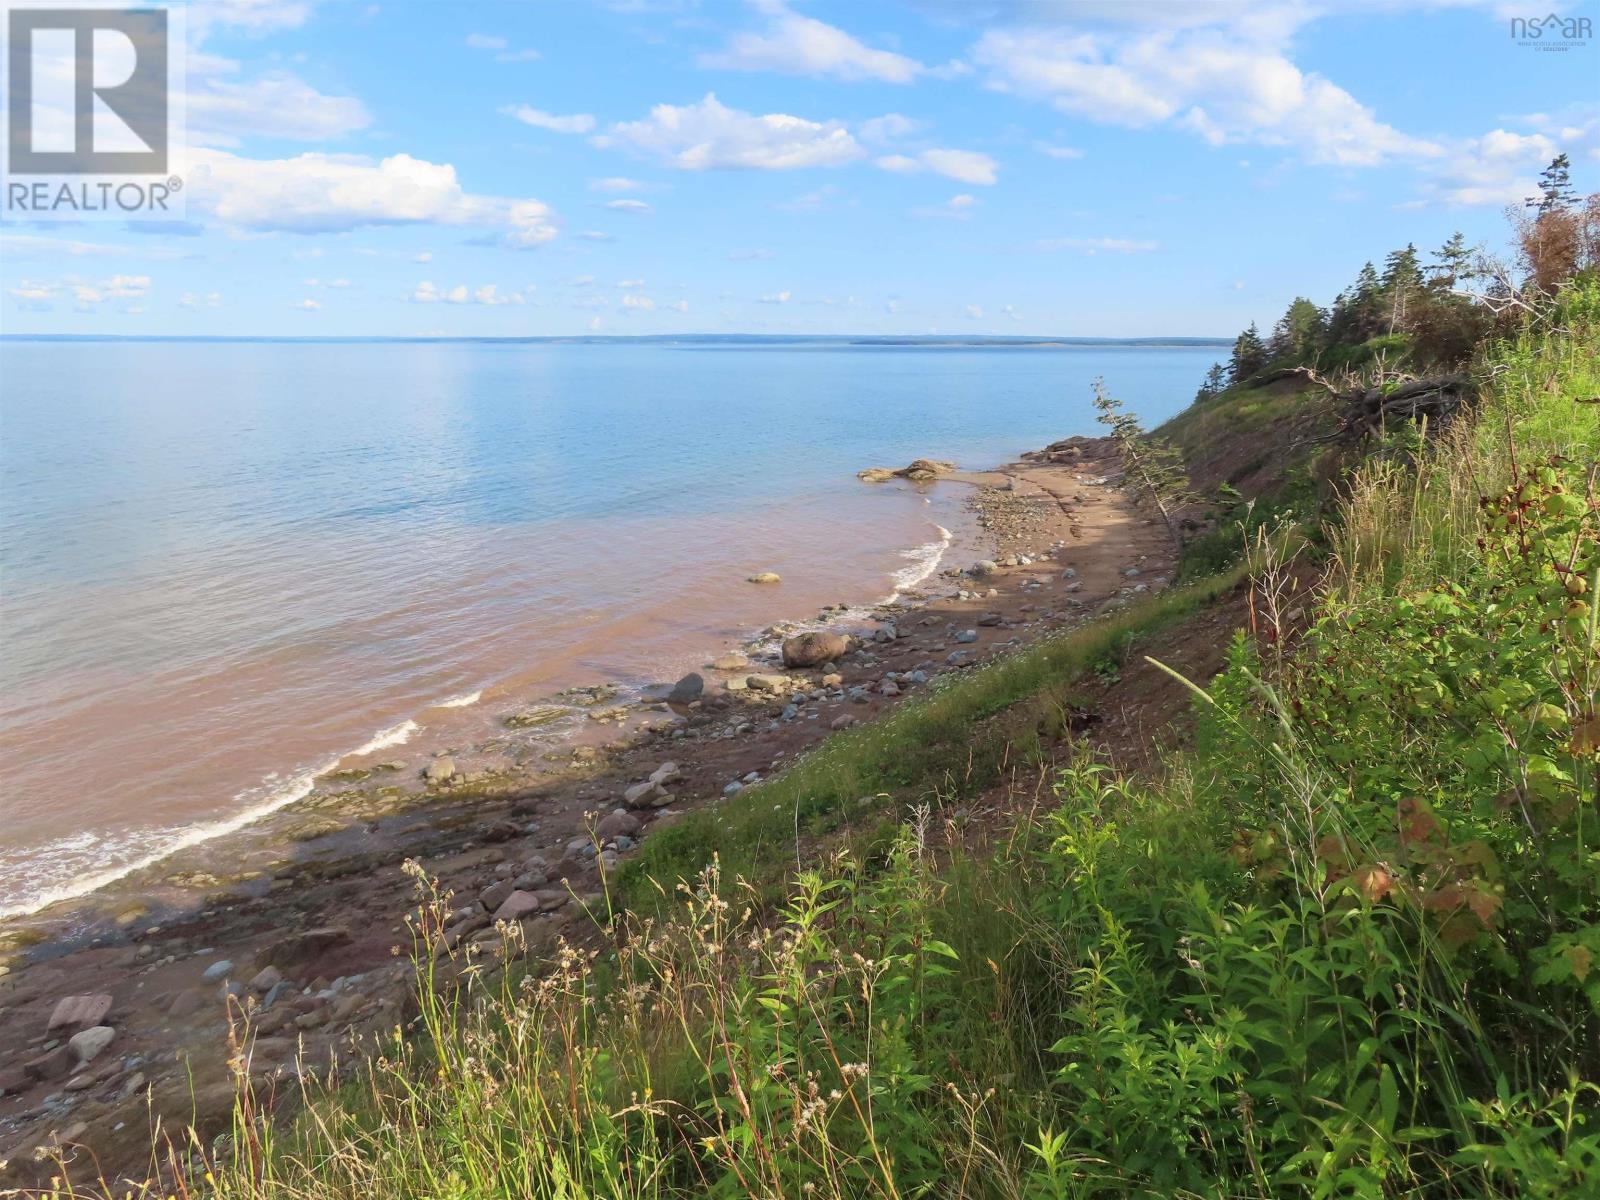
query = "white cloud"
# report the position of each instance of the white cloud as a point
(501, 48)
(958, 207)
(223, 111)
(813, 201)
(85, 294)
(775, 298)
(321, 193)
(1502, 166)
(679, 306)
(615, 183)
(427, 292)
(595, 235)
(638, 207)
(222, 104)
(193, 300)
(630, 283)
(1226, 85)
(797, 45)
(307, 306)
(423, 256)
(1097, 245)
(887, 128)
(250, 16)
(709, 135)
(1061, 152)
(968, 166)
(539, 119)
(17, 245)
(973, 312)
(635, 301)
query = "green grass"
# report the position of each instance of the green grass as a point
(960, 738)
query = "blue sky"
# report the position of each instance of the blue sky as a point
(1070, 167)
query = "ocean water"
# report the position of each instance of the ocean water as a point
(226, 566)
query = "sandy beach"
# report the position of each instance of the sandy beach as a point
(299, 916)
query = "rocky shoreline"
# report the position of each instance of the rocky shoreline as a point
(302, 922)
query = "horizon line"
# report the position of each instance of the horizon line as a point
(883, 339)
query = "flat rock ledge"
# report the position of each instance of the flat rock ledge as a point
(919, 470)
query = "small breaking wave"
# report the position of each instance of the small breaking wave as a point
(273, 793)
(395, 735)
(925, 560)
(466, 700)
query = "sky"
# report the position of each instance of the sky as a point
(1051, 167)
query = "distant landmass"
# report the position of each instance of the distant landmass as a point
(691, 339)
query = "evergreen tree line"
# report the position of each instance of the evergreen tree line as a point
(1420, 305)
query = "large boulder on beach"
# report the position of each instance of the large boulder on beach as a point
(78, 1012)
(765, 577)
(88, 1043)
(294, 948)
(687, 690)
(923, 469)
(814, 649)
(518, 905)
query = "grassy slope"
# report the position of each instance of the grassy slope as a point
(1341, 949)
(950, 745)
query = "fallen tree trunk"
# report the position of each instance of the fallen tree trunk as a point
(1365, 411)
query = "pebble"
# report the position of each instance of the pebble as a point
(216, 971)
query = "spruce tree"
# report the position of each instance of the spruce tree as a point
(1299, 332)
(1402, 276)
(1452, 261)
(1555, 188)
(1249, 355)
(1216, 379)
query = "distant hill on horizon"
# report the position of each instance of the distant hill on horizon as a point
(691, 339)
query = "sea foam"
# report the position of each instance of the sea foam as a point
(278, 793)
(925, 560)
